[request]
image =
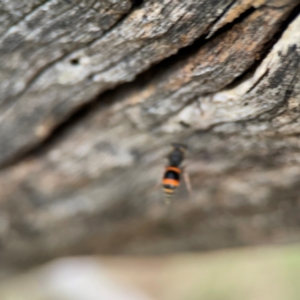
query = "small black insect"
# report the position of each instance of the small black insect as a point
(172, 174)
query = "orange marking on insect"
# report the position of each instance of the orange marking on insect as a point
(177, 170)
(169, 191)
(170, 181)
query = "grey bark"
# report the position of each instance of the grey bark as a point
(87, 185)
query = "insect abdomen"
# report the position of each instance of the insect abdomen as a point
(170, 182)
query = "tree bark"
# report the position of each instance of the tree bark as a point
(94, 92)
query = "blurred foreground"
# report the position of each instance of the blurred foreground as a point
(248, 274)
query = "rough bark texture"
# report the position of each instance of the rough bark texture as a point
(221, 76)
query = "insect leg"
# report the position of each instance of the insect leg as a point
(187, 181)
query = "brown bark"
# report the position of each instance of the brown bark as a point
(231, 94)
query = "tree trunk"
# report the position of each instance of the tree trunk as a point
(94, 92)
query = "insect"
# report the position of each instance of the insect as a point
(172, 174)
